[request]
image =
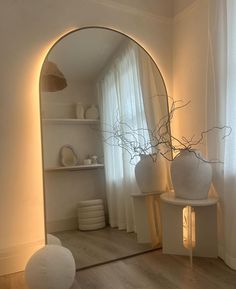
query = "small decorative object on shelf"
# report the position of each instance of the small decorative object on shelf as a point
(68, 156)
(94, 160)
(79, 110)
(87, 161)
(92, 112)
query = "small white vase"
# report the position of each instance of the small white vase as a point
(79, 110)
(191, 175)
(151, 175)
(92, 112)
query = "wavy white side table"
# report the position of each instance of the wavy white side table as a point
(205, 226)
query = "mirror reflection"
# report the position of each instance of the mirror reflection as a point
(94, 206)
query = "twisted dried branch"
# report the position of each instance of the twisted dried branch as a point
(160, 140)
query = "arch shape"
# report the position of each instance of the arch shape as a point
(40, 83)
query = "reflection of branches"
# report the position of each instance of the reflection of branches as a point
(157, 141)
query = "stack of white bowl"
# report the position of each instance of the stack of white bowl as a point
(91, 215)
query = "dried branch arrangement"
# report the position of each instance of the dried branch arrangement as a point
(159, 140)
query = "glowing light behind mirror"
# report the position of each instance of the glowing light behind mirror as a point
(189, 231)
(37, 165)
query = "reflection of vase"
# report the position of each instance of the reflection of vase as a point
(191, 175)
(92, 112)
(79, 110)
(151, 175)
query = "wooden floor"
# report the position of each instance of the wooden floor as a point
(17, 281)
(97, 247)
(158, 271)
(148, 271)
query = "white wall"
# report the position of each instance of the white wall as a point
(190, 52)
(28, 29)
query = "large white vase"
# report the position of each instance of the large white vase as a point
(151, 175)
(191, 175)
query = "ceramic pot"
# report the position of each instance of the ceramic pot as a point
(92, 112)
(151, 176)
(191, 175)
(79, 110)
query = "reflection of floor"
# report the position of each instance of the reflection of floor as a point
(96, 247)
(159, 271)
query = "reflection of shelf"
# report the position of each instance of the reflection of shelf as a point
(70, 121)
(75, 168)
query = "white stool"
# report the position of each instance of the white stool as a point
(91, 215)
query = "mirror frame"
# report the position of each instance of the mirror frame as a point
(40, 98)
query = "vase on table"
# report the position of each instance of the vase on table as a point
(151, 174)
(191, 175)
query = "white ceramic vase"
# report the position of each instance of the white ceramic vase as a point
(151, 176)
(92, 112)
(191, 175)
(79, 110)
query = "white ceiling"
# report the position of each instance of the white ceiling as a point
(82, 55)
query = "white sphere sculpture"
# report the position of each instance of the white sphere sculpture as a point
(53, 240)
(51, 267)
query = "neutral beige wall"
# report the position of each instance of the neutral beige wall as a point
(28, 29)
(190, 52)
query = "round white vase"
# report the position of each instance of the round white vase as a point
(191, 175)
(151, 175)
(92, 112)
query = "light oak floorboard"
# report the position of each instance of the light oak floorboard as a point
(17, 281)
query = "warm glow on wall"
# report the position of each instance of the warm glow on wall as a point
(189, 235)
(32, 106)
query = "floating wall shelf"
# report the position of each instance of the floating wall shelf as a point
(75, 168)
(70, 121)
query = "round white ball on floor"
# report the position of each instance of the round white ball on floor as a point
(51, 267)
(53, 240)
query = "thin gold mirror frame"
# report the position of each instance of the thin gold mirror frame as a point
(40, 91)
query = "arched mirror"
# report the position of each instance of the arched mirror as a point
(102, 97)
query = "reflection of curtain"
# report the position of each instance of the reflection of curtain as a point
(153, 90)
(221, 111)
(120, 98)
(155, 102)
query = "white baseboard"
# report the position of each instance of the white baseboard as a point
(14, 259)
(62, 225)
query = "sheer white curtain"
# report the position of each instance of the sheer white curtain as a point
(222, 111)
(120, 99)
